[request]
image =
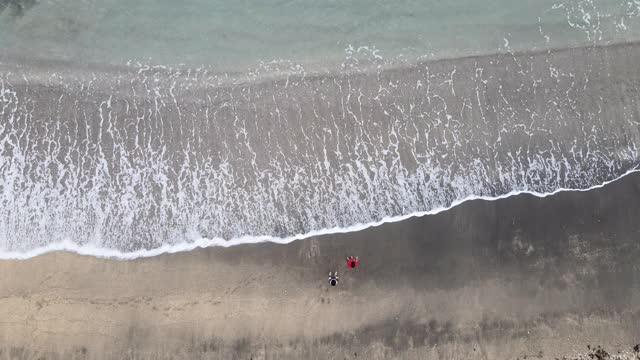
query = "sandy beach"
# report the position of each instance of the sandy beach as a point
(178, 179)
(485, 280)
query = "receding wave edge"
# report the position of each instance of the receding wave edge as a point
(101, 252)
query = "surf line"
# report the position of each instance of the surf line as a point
(102, 252)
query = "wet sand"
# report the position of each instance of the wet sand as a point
(487, 280)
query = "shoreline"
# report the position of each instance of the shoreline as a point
(500, 280)
(115, 254)
(297, 158)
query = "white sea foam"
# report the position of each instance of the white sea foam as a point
(114, 161)
(144, 159)
(89, 250)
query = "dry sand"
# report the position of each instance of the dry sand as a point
(487, 280)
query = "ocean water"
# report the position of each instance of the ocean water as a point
(237, 35)
(133, 128)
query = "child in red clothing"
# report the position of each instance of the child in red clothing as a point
(352, 262)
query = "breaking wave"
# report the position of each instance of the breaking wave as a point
(140, 160)
(92, 250)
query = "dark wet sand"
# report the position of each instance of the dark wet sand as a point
(487, 280)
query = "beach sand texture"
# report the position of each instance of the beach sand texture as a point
(136, 146)
(486, 280)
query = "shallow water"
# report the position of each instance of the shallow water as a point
(236, 35)
(140, 156)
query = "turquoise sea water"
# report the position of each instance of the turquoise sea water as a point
(236, 35)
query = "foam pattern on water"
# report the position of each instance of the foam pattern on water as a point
(143, 157)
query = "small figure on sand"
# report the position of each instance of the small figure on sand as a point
(333, 278)
(352, 262)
